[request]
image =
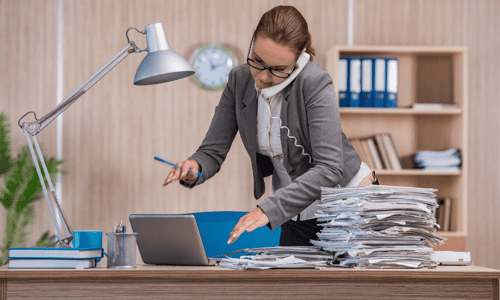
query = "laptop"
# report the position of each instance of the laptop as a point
(170, 240)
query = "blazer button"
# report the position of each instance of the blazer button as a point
(292, 172)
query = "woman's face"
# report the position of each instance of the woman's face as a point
(273, 55)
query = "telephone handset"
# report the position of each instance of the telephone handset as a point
(301, 63)
(273, 90)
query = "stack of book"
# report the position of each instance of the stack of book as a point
(378, 152)
(378, 226)
(449, 160)
(368, 82)
(53, 258)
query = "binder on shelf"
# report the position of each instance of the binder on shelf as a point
(391, 96)
(447, 214)
(343, 73)
(379, 82)
(366, 96)
(354, 82)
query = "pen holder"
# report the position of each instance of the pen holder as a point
(121, 250)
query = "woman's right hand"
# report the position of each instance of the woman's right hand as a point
(182, 173)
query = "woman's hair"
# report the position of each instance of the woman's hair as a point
(286, 26)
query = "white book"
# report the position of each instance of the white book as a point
(54, 253)
(51, 263)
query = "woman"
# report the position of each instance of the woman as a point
(285, 108)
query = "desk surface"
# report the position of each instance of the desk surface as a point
(195, 272)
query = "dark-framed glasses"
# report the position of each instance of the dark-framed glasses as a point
(259, 66)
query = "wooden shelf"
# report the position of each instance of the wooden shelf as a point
(426, 74)
(398, 111)
(417, 172)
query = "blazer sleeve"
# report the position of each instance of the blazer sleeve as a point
(326, 149)
(217, 142)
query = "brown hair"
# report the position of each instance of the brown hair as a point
(286, 26)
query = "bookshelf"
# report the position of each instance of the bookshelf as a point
(425, 75)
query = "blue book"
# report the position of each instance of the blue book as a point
(52, 263)
(343, 70)
(379, 86)
(391, 96)
(366, 96)
(354, 82)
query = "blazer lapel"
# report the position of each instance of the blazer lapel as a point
(249, 116)
(283, 116)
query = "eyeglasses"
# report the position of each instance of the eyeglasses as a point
(257, 65)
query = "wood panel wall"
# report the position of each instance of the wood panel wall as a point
(113, 132)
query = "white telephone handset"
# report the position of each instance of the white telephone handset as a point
(273, 90)
(301, 63)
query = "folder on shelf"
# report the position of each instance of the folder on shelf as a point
(391, 96)
(343, 72)
(392, 152)
(354, 82)
(379, 82)
(374, 154)
(383, 152)
(366, 96)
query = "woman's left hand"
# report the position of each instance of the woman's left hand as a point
(249, 222)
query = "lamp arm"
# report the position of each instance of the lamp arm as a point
(33, 128)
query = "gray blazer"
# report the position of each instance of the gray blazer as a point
(310, 110)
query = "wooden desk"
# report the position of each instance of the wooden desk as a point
(169, 282)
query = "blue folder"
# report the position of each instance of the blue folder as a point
(343, 85)
(379, 87)
(354, 82)
(216, 226)
(391, 96)
(366, 96)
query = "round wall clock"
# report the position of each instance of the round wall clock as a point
(212, 63)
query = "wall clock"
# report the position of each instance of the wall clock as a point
(212, 63)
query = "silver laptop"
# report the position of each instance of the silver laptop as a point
(170, 240)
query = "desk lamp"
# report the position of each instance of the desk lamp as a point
(160, 65)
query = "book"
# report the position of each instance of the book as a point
(392, 152)
(433, 106)
(383, 152)
(370, 144)
(363, 154)
(52, 263)
(447, 214)
(55, 253)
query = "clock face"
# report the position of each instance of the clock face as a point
(212, 63)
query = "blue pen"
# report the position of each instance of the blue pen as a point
(177, 166)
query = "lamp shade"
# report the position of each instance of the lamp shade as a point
(161, 64)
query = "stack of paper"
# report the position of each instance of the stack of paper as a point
(279, 258)
(450, 159)
(379, 226)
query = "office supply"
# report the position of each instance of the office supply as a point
(433, 106)
(383, 152)
(366, 96)
(449, 159)
(354, 82)
(18, 253)
(215, 226)
(161, 64)
(372, 148)
(378, 226)
(379, 79)
(343, 73)
(177, 166)
(52, 263)
(121, 248)
(169, 240)
(87, 239)
(451, 258)
(391, 97)
(392, 152)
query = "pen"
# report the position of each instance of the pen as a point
(177, 166)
